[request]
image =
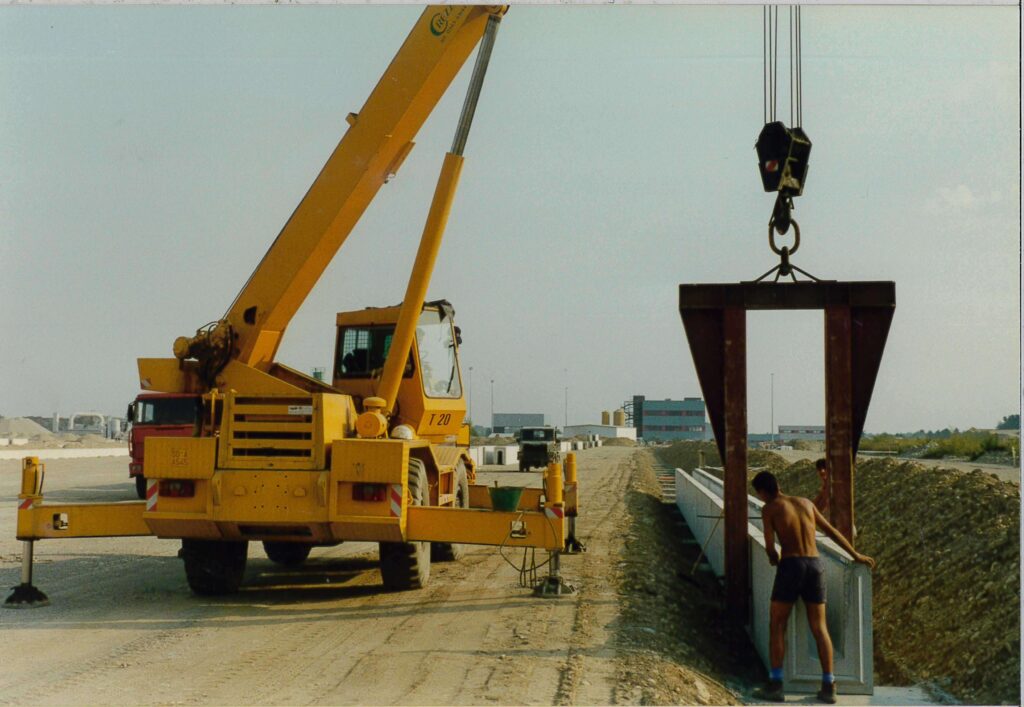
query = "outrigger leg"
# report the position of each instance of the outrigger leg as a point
(554, 584)
(573, 545)
(555, 507)
(26, 595)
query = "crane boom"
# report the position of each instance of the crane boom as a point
(378, 140)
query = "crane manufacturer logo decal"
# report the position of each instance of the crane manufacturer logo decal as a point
(443, 22)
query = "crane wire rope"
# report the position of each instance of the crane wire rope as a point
(770, 55)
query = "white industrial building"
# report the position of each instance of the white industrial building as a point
(609, 431)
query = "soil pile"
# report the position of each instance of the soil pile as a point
(946, 588)
(23, 427)
(686, 456)
(677, 645)
(41, 438)
(617, 442)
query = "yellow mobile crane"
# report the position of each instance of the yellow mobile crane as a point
(291, 461)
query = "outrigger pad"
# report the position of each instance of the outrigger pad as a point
(573, 546)
(26, 596)
(553, 587)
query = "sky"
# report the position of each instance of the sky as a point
(149, 156)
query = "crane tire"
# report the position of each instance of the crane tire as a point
(407, 565)
(287, 554)
(449, 552)
(214, 567)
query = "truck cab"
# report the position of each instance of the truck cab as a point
(158, 414)
(538, 447)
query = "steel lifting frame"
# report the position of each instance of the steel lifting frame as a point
(857, 319)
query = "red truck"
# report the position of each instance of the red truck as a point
(160, 414)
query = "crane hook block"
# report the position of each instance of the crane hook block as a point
(783, 154)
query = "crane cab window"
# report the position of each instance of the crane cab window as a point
(362, 352)
(438, 362)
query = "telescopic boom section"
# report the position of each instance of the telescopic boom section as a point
(433, 230)
(376, 144)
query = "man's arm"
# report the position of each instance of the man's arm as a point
(839, 538)
(821, 500)
(769, 536)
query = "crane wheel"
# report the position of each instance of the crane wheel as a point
(448, 552)
(140, 486)
(407, 565)
(214, 567)
(287, 554)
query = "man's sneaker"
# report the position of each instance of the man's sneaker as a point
(827, 693)
(771, 692)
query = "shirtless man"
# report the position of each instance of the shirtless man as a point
(799, 574)
(822, 499)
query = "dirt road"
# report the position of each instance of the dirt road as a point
(123, 627)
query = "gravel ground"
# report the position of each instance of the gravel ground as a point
(123, 627)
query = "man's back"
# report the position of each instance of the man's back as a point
(792, 519)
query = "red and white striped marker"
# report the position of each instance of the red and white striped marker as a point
(152, 494)
(396, 500)
(554, 512)
(26, 504)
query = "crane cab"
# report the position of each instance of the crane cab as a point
(430, 398)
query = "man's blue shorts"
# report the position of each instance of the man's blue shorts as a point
(802, 577)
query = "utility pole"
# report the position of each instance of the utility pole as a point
(565, 371)
(471, 398)
(492, 405)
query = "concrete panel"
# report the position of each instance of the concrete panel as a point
(848, 587)
(702, 510)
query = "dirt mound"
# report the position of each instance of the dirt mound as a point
(686, 456)
(946, 589)
(23, 427)
(618, 442)
(678, 647)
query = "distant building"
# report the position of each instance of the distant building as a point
(511, 422)
(810, 432)
(610, 431)
(668, 420)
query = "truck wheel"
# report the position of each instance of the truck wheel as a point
(287, 554)
(140, 486)
(448, 552)
(407, 565)
(213, 566)
(523, 467)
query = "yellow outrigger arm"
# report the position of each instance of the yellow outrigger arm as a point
(544, 519)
